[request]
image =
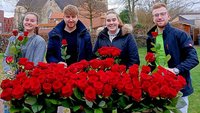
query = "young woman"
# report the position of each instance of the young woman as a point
(35, 47)
(118, 35)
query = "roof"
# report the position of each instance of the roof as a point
(56, 15)
(191, 16)
(63, 3)
(32, 4)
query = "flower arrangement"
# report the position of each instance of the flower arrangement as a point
(96, 86)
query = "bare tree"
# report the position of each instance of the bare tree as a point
(92, 9)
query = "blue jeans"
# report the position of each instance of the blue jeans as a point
(6, 109)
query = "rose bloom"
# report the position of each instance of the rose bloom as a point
(154, 34)
(15, 32)
(22, 61)
(9, 59)
(25, 33)
(107, 90)
(20, 38)
(150, 57)
(18, 92)
(64, 42)
(90, 93)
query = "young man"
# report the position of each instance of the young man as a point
(178, 44)
(78, 39)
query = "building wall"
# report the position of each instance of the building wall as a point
(8, 24)
(49, 7)
(1, 20)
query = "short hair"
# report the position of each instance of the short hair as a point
(159, 5)
(70, 10)
(119, 19)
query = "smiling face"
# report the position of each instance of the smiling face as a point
(70, 21)
(30, 22)
(160, 17)
(112, 23)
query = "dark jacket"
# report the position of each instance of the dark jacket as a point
(179, 45)
(124, 41)
(84, 45)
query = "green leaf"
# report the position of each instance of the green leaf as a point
(68, 56)
(31, 100)
(90, 104)
(153, 49)
(75, 108)
(168, 57)
(128, 106)
(102, 104)
(88, 110)
(77, 94)
(25, 110)
(65, 103)
(25, 40)
(158, 46)
(99, 110)
(114, 111)
(54, 101)
(36, 108)
(15, 110)
(122, 102)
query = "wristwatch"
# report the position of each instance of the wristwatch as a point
(176, 71)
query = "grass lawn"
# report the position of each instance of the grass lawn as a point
(193, 99)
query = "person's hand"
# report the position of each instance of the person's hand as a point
(9, 72)
(65, 64)
(171, 70)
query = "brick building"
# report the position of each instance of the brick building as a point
(8, 24)
(1, 20)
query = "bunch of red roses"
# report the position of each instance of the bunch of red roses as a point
(93, 86)
(15, 49)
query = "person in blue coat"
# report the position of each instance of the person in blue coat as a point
(175, 42)
(78, 39)
(118, 35)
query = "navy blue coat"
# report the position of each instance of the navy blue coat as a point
(84, 45)
(179, 45)
(124, 41)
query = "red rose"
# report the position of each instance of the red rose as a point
(6, 84)
(20, 38)
(26, 85)
(67, 91)
(154, 34)
(145, 69)
(15, 32)
(154, 91)
(90, 93)
(9, 59)
(99, 87)
(137, 94)
(107, 90)
(150, 57)
(57, 86)
(82, 84)
(29, 66)
(18, 92)
(22, 61)
(129, 89)
(64, 42)
(25, 33)
(6, 94)
(47, 88)
(35, 86)
(134, 71)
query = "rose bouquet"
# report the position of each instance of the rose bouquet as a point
(96, 86)
(15, 49)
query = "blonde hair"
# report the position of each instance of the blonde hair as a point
(158, 5)
(113, 12)
(70, 10)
